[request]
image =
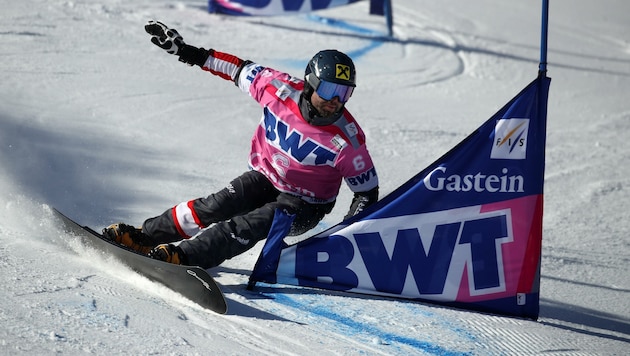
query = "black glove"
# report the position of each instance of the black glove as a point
(362, 200)
(166, 38)
(172, 42)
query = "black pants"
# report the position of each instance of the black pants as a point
(238, 217)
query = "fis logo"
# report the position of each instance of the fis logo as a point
(510, 139)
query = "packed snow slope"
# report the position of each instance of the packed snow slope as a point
(106, 127)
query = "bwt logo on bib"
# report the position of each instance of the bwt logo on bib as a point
(293, 143)
(510, 139)
(425, 254)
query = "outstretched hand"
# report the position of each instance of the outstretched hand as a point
(166, 38)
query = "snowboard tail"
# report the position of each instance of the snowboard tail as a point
(192, 282)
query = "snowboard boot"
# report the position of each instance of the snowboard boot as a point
(168, 253)
(128, 236)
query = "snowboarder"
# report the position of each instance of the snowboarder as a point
(305, 145)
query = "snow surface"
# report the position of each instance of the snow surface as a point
(101, 124)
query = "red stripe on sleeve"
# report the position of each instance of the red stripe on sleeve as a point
(222, 64)
(176, 223)
(194, 214)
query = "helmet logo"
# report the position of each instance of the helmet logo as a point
(342, 72)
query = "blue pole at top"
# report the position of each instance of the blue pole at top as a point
(542, 67)
(389, 13)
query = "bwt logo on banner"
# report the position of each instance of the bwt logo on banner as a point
(414, 255)
(510, 139)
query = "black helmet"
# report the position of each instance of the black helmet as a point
(337, 71)
(332, 66)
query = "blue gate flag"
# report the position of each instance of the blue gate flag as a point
(274, 7)
(466, 231)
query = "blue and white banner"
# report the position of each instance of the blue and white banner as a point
(282, 7)
(465, 231)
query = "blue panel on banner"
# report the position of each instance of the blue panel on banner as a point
(267, 264)
(377, 7)
(485, 167)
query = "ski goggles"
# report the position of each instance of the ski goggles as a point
(327, 91)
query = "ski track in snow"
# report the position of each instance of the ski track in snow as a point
(92, 114)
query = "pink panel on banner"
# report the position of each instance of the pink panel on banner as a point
(519, 257)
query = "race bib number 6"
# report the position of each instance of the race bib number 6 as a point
(359, 164)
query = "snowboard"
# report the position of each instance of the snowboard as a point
(192, 282)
